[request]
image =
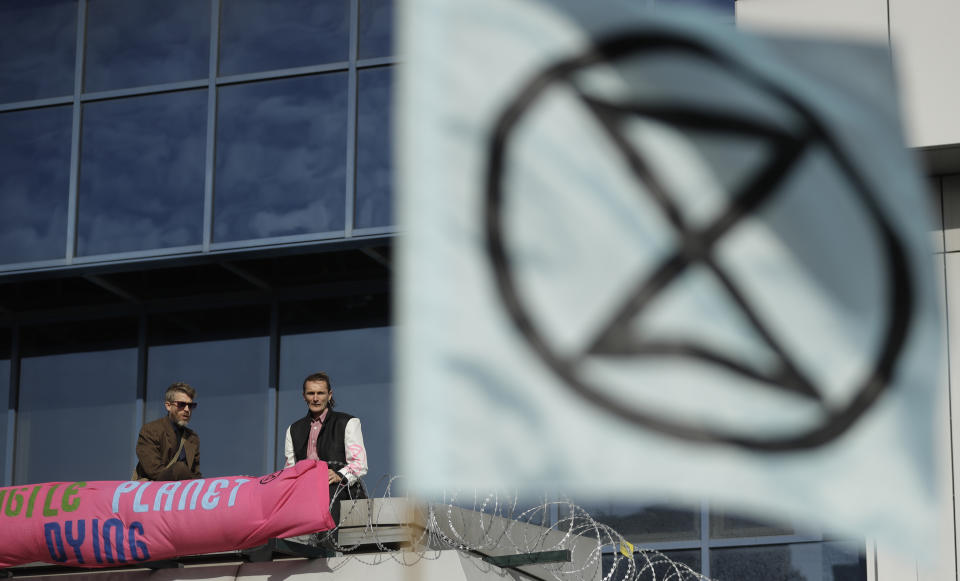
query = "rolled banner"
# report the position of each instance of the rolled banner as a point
(108, 523)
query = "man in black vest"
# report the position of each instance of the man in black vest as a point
(333, 437)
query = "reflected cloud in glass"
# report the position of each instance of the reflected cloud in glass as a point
(281, 158)
(141, 175)
(260, 35)
(374, 201)
(131, 43)
(34, 183)
(37, 48)
(376, 28)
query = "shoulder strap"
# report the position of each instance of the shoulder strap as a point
(175, 454)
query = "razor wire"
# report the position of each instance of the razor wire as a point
(493, 523)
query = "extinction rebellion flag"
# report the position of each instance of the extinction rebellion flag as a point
(646, 258)
(104, 524)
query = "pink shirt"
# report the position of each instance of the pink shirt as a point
(315, 425)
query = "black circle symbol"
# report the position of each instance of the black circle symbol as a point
(697, 241)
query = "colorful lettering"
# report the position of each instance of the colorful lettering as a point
(71, 491)
(117, 526)
(95, 535)
(47, 509)
(135, 544)
(51, 532)
(75, 542)
(212, 497)
(99, 524)
(33, 497)
(193, 502)
(138, 506)
(233, 493)
(167, 491)
(122, 489)
(12, 510)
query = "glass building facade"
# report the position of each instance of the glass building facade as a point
(133, 129)
(201, 191)
(193, 190)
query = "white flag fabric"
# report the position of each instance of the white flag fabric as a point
(648, 257)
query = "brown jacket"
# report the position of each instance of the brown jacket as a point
(157, 444)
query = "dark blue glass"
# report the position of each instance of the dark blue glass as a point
(376, 28)
(83, 428)
(652, 567)
(4, 411)
(722, 6)
(727, 525)
(261, 35)
(37, 49)
(141, 173)
(230, 377)
(360, 365)
(821, 561)
(374, 201)
(281, 158)
(131, 43)
(641, 524)
(690, 558)
(34, 183)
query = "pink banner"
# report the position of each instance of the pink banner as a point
(102, 524)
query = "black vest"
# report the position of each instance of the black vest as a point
(330, 446)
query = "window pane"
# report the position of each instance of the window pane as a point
(690, 558)
(131, 43)
(725, 5)
(260, 35)
(823, 561)
(359, 362)
(653, 566)
(281, 158)
(376, 28)
(78, 387)
(34, 183)
(724, 525)
(37, 47)
(374, 205)
(644, 524)
(723, 9)
(4, 397)
(141, 176)
(229, 368)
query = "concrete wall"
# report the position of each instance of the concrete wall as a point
(924, 43)
(887, 563)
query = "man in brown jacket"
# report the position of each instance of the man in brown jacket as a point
(167, 449)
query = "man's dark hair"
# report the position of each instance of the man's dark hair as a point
(182, 387)
(318, 377)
